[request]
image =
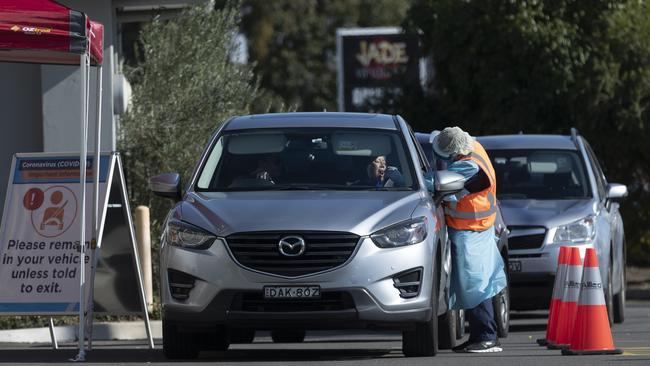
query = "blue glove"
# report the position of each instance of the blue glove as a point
(393, 174)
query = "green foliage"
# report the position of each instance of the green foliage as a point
(184, 87)
(542, 67)
(293, 45)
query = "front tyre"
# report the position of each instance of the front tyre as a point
(423, 340)
(179, 345)
(501, 305)
(448, 330)
(609, 296)
(619, 299)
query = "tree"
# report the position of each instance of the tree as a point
(544, 66)
(293, 45)
(183, 88)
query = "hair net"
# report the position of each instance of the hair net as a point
(453, 141)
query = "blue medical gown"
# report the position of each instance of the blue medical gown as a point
(477, 272)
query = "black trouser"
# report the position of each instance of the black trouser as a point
(482, 326)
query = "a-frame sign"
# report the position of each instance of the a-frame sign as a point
(39, 247)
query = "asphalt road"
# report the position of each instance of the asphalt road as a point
(328, 348)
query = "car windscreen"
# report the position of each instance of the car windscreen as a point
(307, 159)
(539, 174)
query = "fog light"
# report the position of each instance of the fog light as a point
(408, 283)
(180, 284)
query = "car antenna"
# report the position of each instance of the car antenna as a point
(521, 132)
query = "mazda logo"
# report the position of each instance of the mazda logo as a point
(292, 246)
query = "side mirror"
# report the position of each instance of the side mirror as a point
(616, 192)
(447, 183)
(166, 185)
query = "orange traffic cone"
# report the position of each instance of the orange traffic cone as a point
(592, 335)
(556, 298)
(569, 304)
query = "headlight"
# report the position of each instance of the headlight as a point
(580, 231)
(184, 235)
(405, 233)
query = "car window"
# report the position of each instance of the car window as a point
(539, 174)
(601, 182)
(436, 164)
(424, 163)
(307, 158)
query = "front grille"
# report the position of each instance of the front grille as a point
(255, 302)
(526, 241)
(323, 251)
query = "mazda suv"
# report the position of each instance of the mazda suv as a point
(299, 221)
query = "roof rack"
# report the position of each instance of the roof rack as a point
(574, 136)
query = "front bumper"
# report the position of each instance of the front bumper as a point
(366, 280)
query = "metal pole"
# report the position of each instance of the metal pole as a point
(95, 213)
(129, 219)
(81, 356)
(55, 344)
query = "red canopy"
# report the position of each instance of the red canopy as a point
(44, 31)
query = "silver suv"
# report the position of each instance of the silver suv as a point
(552, 192)
(303, 221)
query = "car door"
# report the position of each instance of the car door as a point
(445, 249)
(609, 221)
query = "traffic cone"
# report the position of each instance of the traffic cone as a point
(592, 335)
(560, 273)
(569, 304)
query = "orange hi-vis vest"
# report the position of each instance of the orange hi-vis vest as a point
(475, 211)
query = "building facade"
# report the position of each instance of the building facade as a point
(40, 103)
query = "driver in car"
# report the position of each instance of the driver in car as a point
(381, 175)
(269, 168)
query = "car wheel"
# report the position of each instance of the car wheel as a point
(501, 305)
(619, 299)
(214, 341)
(609, 296)
(288, 336)
(447, 330)
(179, 345)
(241, 336)
(422, 341)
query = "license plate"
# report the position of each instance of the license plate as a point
(514, 266)
(292, 292)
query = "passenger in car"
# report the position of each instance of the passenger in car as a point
(269, 168)
(477, 272)
(381, 175)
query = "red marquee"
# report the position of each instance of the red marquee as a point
(44, 31)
